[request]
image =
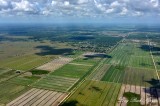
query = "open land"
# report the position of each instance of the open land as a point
(93, 66)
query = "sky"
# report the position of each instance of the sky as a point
(104, 11)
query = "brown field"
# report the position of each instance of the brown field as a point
(55, 64)
(38, 97)
(149, 96)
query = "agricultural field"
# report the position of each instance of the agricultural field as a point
(72, 71)
(26, 62)
(78, 66)
(142, 62)
(6, 74)
(121, 54)
(24, 80)
(140, 57)
(141, 77)
(94, 93)
(9, 91)
(86, 61)
(55, 64)
(12, 46)
(157, 60)
(114, 74)
(138, 51)
(99, 73)
(57, 83)
(148, 96)
(38, 97)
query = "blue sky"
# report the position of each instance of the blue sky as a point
(140, 11)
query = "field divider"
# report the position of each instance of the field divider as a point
(149, 44)
(25, 71)
(82, 80)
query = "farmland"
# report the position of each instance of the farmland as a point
(7, 74)
(38, 97)
(72, 71)
(99, 73)
(57, 83)
(95, 93)
(121, 54)
(68, 65)
(65, 77)
(26, 62)
(9, 91)
(114, 74)
(55, 64)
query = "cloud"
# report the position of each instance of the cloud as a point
(3, 3)
(124, 11)
(23, 6)
(80, 8)
(66, 3)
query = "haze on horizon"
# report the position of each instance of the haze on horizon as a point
(104, 11)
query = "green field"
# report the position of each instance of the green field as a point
(24, 80)
(157, 60)
(142, 62)
(6, 74)
(141, 77)
(26, 62)
(57, 83)
(138, 51)
(94, 93)
(121, 54)
(86, 61)
(114, 74)
(99, 73)
(77, 68)
(65, 77)
(9, 91)
(72, 71)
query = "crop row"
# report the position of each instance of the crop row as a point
(95, 93)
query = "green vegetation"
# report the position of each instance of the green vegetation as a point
(142, 62)
(72, 71)
(10, 91)
(100, 72)
(57, 83)
(95, 43)
(7, 74)
(24, 80)
(26, 62)
(39, 72)
(114, 74)
(127, 61)
(141, 77)
(133, 99)
(77, 68)
(86, 61)
(138, 51)
(95, 93)
(121, 54)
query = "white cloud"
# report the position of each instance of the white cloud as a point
(137, 13)
(53, 2)
(115, 4)
(82, 1)
(110, 10)
(66, 3)
(124, 11)
(155, 3)
(23, 6)
(3, 3)
(80, 8)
